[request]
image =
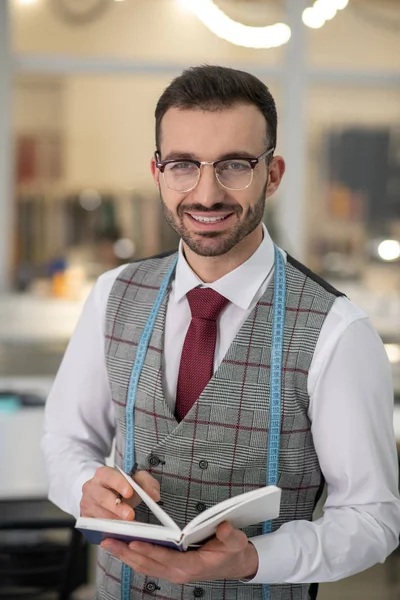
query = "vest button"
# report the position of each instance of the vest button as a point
(198, 592)
(200, 507)
(154, 460)
(203, 464)
(151, 586)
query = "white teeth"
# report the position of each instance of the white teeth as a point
(208, 219)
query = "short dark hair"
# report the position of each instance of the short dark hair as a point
(212, 87)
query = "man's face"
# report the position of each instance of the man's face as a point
(231, 215)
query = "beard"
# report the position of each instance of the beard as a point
(223, 241)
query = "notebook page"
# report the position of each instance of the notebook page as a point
(157, 511)
(248, 499)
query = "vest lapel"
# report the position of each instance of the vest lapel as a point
(156, 401)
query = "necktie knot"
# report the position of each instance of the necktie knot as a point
(206, 303)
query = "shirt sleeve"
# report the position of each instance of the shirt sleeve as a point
(79, 422)
(352, 427)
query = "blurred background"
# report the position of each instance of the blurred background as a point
(79, 81)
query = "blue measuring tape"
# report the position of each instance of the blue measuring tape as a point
(275, 387)
(126, 574)
(274, 428)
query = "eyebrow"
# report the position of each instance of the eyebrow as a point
(190, 156)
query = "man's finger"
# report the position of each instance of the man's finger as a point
(233, 538)
(103, 503)
(113, 480)
(96, 511)
(149, 484)
(111, 501)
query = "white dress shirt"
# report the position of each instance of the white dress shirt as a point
(350, 409)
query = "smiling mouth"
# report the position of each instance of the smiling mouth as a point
(208, 219)
(204, 219)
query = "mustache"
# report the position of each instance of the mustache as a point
(219, 206)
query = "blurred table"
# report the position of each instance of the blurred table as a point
(25, 317)
(32, 514)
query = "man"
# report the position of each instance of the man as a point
(136, 369)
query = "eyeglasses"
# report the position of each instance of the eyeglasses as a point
(183, 175)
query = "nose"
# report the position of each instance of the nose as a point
(208, 191)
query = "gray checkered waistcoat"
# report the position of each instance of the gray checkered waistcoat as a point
(220, 448)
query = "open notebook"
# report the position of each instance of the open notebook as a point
(245, 509)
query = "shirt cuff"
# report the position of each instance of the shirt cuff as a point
(76, 491)
(276, 558)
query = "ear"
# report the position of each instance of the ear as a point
(154, 171)
(276, 172)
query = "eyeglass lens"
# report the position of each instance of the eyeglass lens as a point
(233, 174)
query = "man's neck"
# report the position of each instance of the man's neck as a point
(212, 268)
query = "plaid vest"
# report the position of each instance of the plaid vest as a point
(220, 448)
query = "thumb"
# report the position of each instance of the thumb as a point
(235, 539)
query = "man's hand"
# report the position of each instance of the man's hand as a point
(100, 493)
(229, 555)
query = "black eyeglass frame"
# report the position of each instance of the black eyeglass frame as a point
(253, 162)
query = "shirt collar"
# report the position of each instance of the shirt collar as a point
(251, 274)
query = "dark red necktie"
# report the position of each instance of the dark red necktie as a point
(197, 360)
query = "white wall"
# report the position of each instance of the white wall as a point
(109, 130)
(37, 104)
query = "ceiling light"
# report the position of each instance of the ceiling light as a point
(389, 250)
(236, 33)
(322, 10)
(313, 19)
(326, 8)
(259, 37)
(341, 4)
